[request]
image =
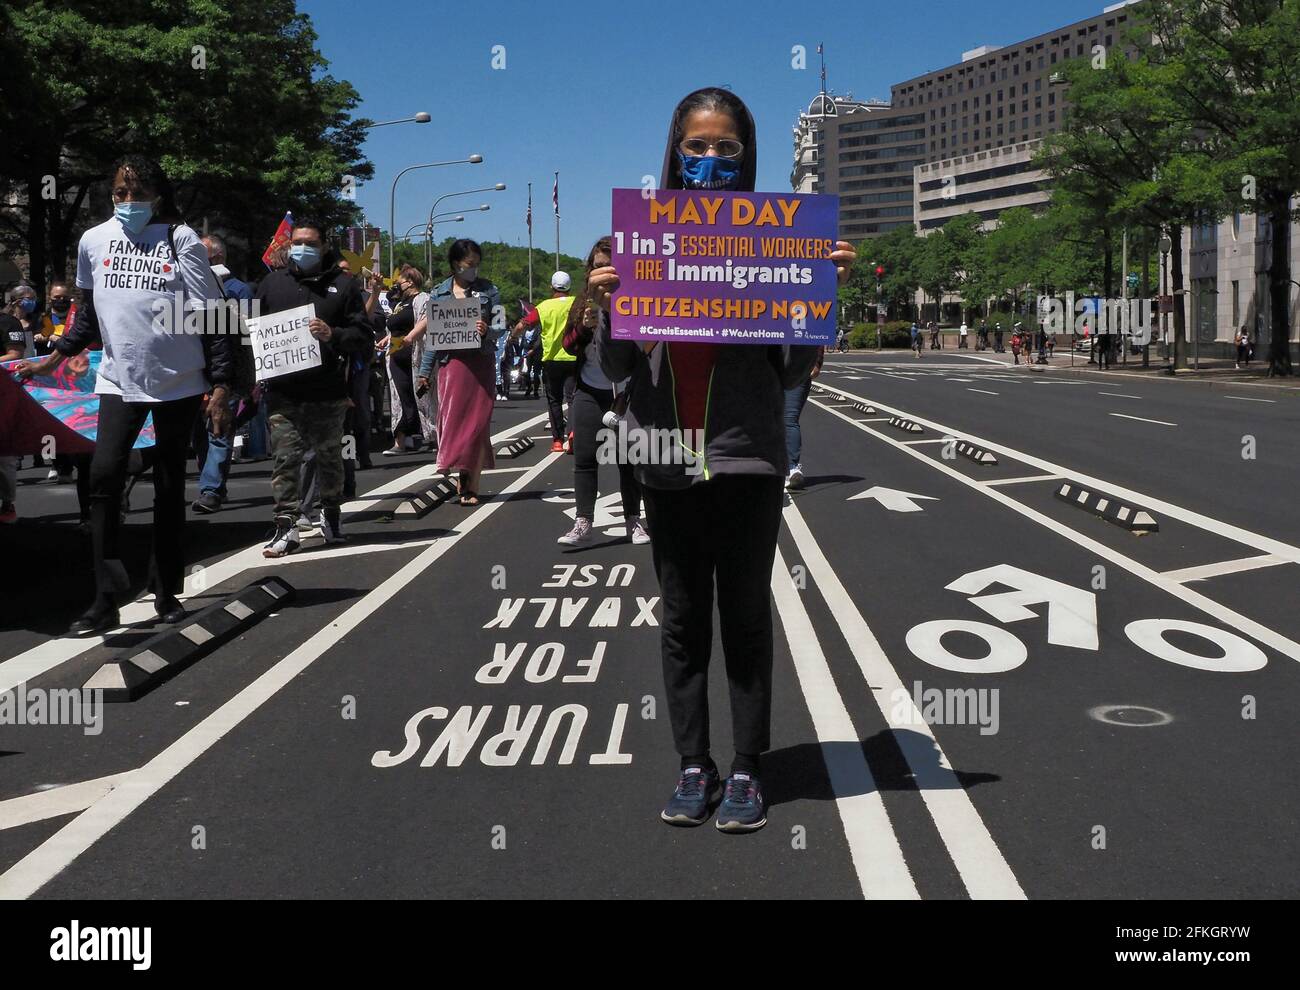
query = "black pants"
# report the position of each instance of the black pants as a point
(722, 530)
(559, 378)
(589, 405)
(119, 425)
(408, 420)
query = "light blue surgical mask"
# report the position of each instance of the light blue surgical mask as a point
(305, 256)
(134, 216)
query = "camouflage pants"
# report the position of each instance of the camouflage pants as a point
(297, 427)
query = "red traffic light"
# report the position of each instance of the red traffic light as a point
(880, 271)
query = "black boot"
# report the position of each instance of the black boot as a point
(100, 617)
(169, 609)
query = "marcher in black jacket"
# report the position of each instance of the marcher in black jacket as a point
(306, 408)
(716, 524)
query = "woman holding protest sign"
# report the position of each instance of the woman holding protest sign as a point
(143, 274)
(716, 526)
(466, 379)
(594, 397)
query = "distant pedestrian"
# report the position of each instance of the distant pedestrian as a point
(962, 334)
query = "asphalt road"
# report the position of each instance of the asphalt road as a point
(982, 690)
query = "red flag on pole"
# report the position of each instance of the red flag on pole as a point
(281, 239)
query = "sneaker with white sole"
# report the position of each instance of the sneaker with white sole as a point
(307, 523)
(580, 534)
(794, 480)
(330, 527)
(284, 540)
(640, 535)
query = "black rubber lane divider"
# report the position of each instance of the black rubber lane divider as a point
(160, 658)
(1131, 517)
(863, 407)
(977, 454)
(906, 425)
(422, 503)
(513, 448)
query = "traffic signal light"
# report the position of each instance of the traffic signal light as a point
(880, 271)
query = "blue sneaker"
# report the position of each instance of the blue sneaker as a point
(691, 803)
(742, 808)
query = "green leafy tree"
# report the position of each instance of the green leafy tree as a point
(1129, 153)
(1232, 72)
(232, 98)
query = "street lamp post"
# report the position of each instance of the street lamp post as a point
(499, 187)
(419, 118)
(392, 195)
(428, 241)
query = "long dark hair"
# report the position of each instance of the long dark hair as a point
(721, 101)
(152, 177)
(580, 302)
(460, 250)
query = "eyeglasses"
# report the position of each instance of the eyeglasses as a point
(726, 148)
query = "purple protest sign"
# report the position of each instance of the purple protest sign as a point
(724, 267)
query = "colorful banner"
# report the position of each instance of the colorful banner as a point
(59, 411)
(724, 267)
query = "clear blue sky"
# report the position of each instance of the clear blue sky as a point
(588, 89)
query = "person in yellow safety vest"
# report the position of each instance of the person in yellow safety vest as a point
(558, 365)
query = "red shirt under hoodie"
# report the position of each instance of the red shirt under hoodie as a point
(692, 365)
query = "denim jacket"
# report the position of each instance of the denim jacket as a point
(490, 296)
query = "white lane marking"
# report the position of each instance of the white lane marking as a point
(1024, 480)
(56, 853)
(46, 656)
(873, 845)
(1246, 398)
(963, 380)
(913, 443)
(67, 799)
(1120, 395)
(1057, 381)
(1267, 544)
(1142, 419)
(979, 862)
(509, 470)
(1227, 616)
(983, 391)
(1203, 571)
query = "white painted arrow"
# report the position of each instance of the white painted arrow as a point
(892, 499)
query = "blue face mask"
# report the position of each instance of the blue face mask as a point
(305, 256)
(705, 172)
(27, 305)
(134, 216)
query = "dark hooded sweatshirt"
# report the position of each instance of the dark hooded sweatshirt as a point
(339, 302)
(734, 392)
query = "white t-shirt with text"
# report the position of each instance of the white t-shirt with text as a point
(148, 356)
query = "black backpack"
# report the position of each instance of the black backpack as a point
(245, 375)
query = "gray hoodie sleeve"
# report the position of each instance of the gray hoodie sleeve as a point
(617, 357)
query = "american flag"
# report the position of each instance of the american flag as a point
(555, 195)
(529, 217)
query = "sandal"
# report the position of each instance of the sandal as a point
(469, 498)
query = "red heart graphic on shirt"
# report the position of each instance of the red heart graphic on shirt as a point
(106, 262)
(167, 268)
